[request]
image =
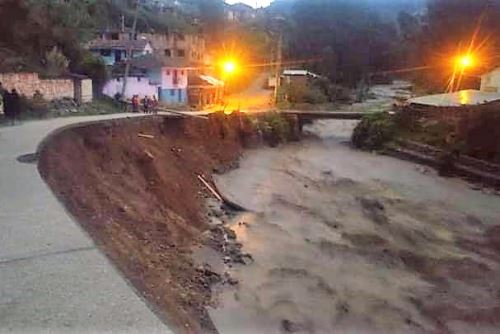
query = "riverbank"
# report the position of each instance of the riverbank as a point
(352, 242)
(135, 187)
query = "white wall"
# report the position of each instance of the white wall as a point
(490, 82)
(167, 76)
(134, 87)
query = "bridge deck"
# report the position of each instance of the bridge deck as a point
(325, 114)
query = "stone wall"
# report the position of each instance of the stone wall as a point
(28, 83)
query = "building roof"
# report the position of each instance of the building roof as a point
(151, 61)
(203, 80)
(134, 44)
(299, 73)
(457, 99)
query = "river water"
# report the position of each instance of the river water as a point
(342, 242)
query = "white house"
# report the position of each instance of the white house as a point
(490, 82)
(152, 75)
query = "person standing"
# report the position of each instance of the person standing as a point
(7, 105)
(15, 104)
(154, 105)
(135, 103)
(2, 94)
(145, 104)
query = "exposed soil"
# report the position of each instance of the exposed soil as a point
(140, 199)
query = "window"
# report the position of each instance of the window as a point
(115, 36)
(182, 72)
(168, 53)
(181, 53)
(172, 92)
(168, 72)
(106, 53)
(175, 79)
(181, 37)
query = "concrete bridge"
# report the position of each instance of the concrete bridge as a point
(307, 117)
(313, 115)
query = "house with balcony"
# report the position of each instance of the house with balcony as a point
(114, 46)
(189, 47)
(151, 75)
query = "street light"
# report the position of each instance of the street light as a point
(229, 67)
(466, 61)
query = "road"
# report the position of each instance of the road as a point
(254, 98)
(53, 279)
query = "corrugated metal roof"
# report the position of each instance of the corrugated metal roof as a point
(299, 73)
(151, 61)
(457, 99)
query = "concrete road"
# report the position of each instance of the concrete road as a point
(254, 98)
(52, 277)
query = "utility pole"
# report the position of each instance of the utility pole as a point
(279, 22)
(279, 59)
(129, 50)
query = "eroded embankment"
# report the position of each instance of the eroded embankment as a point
(133, 186)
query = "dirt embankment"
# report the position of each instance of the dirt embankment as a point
(140, 199)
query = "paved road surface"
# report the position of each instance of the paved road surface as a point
(255, 97)
(52, 277)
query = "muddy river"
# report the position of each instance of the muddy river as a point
(345, 241)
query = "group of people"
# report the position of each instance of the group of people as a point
(149, 105)
(10, 102)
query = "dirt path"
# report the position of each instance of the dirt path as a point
(349, 242)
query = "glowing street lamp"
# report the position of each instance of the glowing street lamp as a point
(465, 61)
(229, 67)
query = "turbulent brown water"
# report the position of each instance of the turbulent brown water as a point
(351, 242)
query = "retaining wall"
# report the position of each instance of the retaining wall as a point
(28, 83)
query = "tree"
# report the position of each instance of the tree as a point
(348, 38)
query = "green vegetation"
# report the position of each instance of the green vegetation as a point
(374, 131)
(47, 36)
(274, 127)
(319, 93)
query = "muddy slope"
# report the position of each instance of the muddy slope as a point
(139, 198)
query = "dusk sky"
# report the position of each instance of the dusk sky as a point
(253, 3)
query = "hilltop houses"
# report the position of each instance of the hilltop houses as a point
(113, 46)
(171, 80)
(172, 66)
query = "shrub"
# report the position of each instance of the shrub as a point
(56, 63)
(374, 131)
(274, 127)
(305, 94)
